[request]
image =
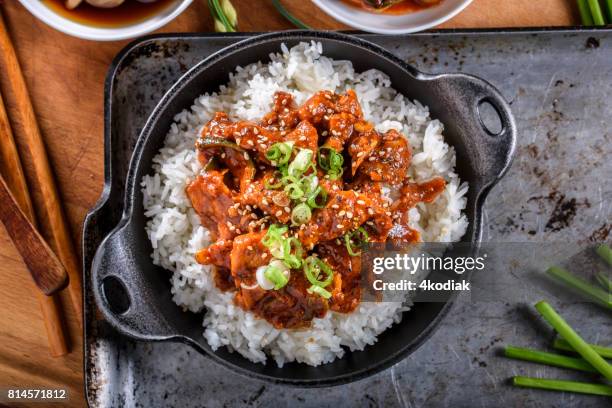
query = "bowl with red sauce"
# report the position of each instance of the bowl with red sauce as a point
(106, 20)
(392, 16)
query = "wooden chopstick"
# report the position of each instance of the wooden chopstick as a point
(49, 207)
(10, 168)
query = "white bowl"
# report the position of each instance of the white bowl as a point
(76, 29)
(389, 23)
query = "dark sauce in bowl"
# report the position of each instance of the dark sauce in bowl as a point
(128, 13)
(403, 7)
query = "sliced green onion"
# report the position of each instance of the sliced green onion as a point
(349, 245)
(273, 186)
(360, 235)
(319, 291)
(331, 162)
(309, 183)
(280, 153)
(314, 267)
(288, 250)
(577, 343)
(301, 214)
(292, 256)
(301, 163)
(318, 198)
(277, 275)
(274, 240)
(294, 191)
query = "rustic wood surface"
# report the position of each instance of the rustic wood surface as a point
(65, 77)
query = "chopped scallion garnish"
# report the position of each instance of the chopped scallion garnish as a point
(280, 153)
(277, 274)
(331, 161)
(319, 291)
(358, 238)
(318, 198)
(301, 214)
(314, 268)
(301, 163)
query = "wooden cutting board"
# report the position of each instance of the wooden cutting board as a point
(65, 76)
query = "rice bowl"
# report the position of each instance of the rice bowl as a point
(176, 233)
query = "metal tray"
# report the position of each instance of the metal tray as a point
(557, 82)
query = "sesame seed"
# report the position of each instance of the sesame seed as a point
(370, 211)
(341, 213)
(250, 247)
(264, 201)
(246, 156)
(265, 254)
(279, 213)
(256, 131)
(349, 215)
(360, 202)
(287, 209)
(250, 143)
(335, 206)
(360, 154)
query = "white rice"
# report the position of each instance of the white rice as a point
(176, 234)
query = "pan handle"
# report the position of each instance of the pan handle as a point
(122, 292)
(489, 127)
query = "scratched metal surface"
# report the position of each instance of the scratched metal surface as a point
(557, 190)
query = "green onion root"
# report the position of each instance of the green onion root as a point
(551, 359)
(561, 344)
(574, 339)
(562, 385)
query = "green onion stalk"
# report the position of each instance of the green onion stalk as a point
(290, 17)
(605, 253)
(586, 289)
(562, 385)
(224, 15)
(574, 340)
(585, 13)
(598, 18)
(561, 344)
(551, 359)
(604, 281)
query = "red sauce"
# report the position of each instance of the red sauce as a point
(130, 12)
(403, 7)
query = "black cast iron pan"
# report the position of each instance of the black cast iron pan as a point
(134, 295)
